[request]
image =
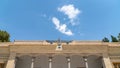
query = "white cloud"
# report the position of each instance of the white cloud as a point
(70, 11)
(61, 27)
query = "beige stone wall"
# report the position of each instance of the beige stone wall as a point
(4, 53)
(4, 50)
(75, 47)
(52, 49)
(114, 50)
(85, 49)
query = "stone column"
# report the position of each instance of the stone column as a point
(11, 61)
(86, 61)
(68, 61)
(32, 64)
(106, 61)
(50, 62)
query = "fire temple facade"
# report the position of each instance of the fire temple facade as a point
(59, 54)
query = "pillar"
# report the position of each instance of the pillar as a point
(106, 61)
(32, 64)
(86, 61)
(68, 61)
(11, 61)
(50, 62)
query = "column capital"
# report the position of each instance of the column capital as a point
(85, 58)
(50, 58)
(33, 59)
(68, 59)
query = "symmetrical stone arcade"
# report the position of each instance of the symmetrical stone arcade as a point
(59, 61)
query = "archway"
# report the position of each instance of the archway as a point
(94, 61)
(77, 61)
(59, 61)
(23, 62)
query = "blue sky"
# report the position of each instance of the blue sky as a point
(65, 19)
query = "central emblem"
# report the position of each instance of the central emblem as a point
(59, 45)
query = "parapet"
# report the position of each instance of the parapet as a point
(55, 42)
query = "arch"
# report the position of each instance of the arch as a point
(41, 61)
(94, 61)
(77, 61)
(23, 62)
(59, 61)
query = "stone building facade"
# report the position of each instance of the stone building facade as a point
(54, 54)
